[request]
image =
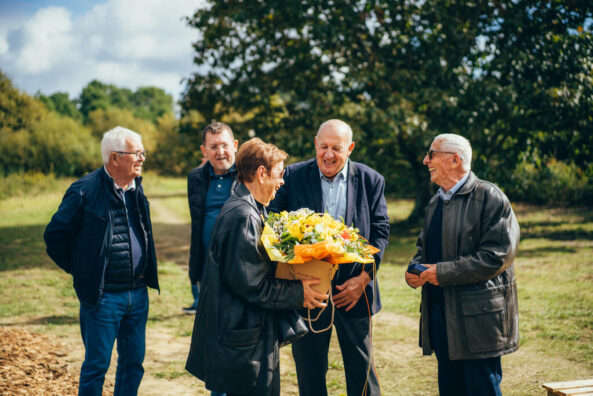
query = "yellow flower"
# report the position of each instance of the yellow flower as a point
(294, 229)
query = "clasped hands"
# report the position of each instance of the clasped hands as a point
(428, 276)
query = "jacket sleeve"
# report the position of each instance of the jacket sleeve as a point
(248, 273)
(61, 230)
(379, 221)
(417, 259)
(195, 264)
(497, 247)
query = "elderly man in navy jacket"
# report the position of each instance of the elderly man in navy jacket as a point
(354, 192)
(102, 235)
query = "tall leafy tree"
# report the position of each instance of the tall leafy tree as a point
(61, 103)
(400, 72)
(151, 103)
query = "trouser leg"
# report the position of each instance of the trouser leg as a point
(483, 376)
(99, 325)
(451, 376)
(131, 341)
(310, 357)
(355, 344)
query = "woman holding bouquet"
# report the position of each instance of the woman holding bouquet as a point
(235, 341)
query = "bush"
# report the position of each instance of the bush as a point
(55, 144)
(28, 183)
(552, 183)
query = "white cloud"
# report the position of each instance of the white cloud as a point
(129, 43)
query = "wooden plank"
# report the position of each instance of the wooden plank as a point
(580, 391)
(555, 386)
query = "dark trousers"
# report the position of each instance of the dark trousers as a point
(310, 356)
(121, 316)
(479, 377)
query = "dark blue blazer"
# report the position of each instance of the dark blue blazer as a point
(366, 210)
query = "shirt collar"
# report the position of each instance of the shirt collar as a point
(131, 186)
(227, 173)
(449, 194)
(343, 172)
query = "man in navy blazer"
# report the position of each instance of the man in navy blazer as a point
(354, 192)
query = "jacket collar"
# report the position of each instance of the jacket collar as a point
(111, 183)
(242, 192)
(469, 184)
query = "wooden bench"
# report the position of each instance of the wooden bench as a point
(580, 388)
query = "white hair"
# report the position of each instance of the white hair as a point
(338, 125)
(116, 139)
(456, 144)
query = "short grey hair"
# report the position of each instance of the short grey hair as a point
(459, 145)
(338, 124)
(116, 139)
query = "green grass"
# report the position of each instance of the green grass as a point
(554, 270)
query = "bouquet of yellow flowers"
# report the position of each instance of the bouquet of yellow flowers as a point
(303, 235)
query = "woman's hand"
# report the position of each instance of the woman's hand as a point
(313, 299)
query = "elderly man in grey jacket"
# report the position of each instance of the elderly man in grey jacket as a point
(464, 263)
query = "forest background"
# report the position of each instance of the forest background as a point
(514, 77)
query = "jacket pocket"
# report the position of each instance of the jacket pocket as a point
(240, 337)
(484, 322)
(238, 362)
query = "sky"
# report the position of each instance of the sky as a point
(53, 46)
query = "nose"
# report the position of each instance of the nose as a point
(426, 160)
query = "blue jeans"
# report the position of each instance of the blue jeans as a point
(121, 316)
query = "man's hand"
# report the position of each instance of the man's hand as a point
(312, 299)
(414, 280)
(430, 275)
(351, 290)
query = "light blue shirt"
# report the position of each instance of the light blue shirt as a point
(334, 193)
(445, 196)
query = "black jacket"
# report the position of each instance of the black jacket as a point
(79, 235)
(480, 240)
(366, 210)
(198, 182)
(234, 346)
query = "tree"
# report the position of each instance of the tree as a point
(102, 120)
(60, 103)
(401, 72)
(17, 110)
(148, 103)
(151, 103)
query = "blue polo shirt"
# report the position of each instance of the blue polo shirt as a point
(219, 191)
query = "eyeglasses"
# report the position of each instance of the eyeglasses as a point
(137, 153)
(430, 153)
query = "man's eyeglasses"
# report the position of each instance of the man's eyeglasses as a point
(430, 153)
(137, 153)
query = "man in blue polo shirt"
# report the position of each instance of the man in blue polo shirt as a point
(208, 188)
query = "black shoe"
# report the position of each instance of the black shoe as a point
(189, 310)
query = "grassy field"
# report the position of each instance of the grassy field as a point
(554, 271)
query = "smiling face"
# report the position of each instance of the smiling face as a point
(444, 167)
(272, 181)
(126, 167)
(333, 147)
(220, 149)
